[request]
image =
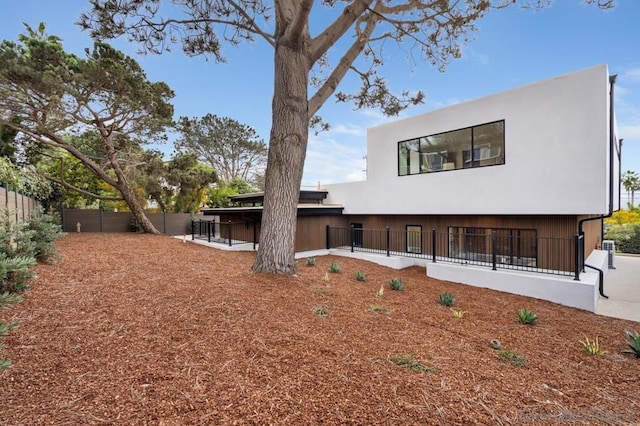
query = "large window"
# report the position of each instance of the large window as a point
(475, 146)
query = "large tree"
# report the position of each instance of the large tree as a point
(433, 29)
(99, 109)
(189, 179)
(233, 149)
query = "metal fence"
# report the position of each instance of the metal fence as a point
(231, 233)
(489, 248)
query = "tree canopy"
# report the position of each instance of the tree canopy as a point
(306, 72)
(99, 109)
(233, 149)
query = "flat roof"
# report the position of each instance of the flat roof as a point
(258, 197)
(303, 210)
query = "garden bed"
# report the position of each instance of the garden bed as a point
(141, 329)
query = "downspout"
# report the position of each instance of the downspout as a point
(612, 81)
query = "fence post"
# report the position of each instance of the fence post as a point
(328, 236)
(193, 229)
(164, 222)
(208, 230)
(63, 218)
(101, 220)
(254, 235)
(493, 251)
(229, 233)
(433, 245)
(577, 265)
(388, 241)
(351, 232)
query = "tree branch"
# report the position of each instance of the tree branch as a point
(300, 20)
(80, 190)
(332, 82)
(321, 44)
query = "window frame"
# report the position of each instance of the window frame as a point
(479, 154)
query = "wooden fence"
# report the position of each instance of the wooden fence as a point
(107, 221)
(21, 206)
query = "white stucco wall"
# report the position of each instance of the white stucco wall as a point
(556, 156)
(583, 294)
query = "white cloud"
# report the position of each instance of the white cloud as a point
(330, 161)
(630, 132)
(632, 74)
(471, 53)
(348, 129)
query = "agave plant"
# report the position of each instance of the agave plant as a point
(360, 276)
(334, 267)
(633, 340)
(446, 299)
(396, 284)
(526, 316)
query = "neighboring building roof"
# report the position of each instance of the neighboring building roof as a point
(303, 210)
(257, 197)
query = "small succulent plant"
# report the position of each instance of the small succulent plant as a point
(396, 284)
(526, 316)
(446, 299)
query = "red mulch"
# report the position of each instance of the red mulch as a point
(141, 329)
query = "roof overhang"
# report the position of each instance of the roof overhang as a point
(303, 210)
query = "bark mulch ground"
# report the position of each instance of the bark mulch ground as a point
(141, 329)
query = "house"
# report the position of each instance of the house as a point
(487, 189)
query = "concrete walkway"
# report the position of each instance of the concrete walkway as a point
(622, 285)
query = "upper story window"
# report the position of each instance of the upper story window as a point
(475, 146)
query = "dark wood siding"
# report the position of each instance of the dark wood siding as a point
(311, 231)
(546, 226)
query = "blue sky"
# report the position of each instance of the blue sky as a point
(511, 48)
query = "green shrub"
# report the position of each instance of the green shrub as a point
(526, 316)
(592, 347)
(512, 357)
(311, 261)
(458, 313)
(396, 284)
(4, 363)
(446, 299)
(15, 273)
(15, 239)
(378, 309)
(321, 311)
(626, 236)
(7, 299)
(334, 267)
(45, 230)
(633, 340)
(6, 328)
(360, 276)
(411, 362)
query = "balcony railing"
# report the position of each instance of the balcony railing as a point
(230, 233)
(493, 249)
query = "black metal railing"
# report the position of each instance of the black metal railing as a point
(490, 248)
(230, 233)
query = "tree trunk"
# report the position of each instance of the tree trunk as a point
(123, 187)
(285, 161)
(136, 209)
